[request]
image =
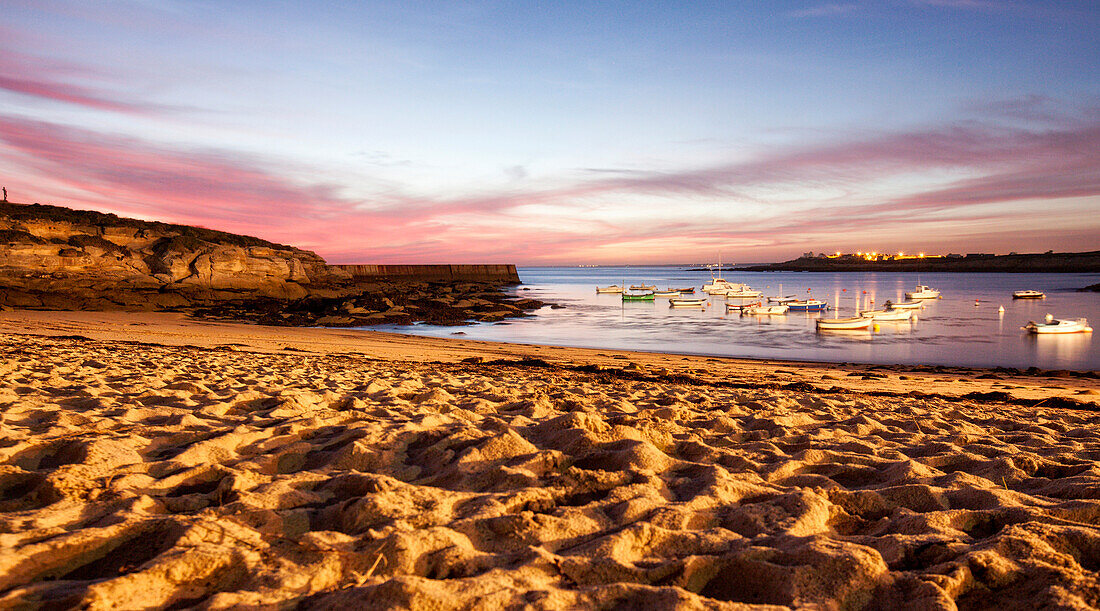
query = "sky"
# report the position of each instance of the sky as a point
(565, 133)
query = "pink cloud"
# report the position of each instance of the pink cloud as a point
(47, 79)
(244, 194)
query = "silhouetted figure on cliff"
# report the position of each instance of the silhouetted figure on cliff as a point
(5, 195)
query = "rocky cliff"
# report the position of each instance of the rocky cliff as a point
(60, 258)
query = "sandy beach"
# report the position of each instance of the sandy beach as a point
(152, 461)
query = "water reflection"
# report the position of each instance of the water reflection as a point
(948, 331)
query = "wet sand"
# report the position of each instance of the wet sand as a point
(149, 461)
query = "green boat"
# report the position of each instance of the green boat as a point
(638, 296)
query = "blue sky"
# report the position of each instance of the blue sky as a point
(540, 133)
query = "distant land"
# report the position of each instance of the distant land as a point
(1048, 262)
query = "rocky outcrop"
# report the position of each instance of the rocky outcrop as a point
(62, 259)
(59, 258)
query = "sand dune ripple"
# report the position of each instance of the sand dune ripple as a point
(147, 476)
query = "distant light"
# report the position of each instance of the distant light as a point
(921, 255)
(901, 254)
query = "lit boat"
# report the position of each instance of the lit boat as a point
(808, 305)
(668, 293)
(743, 292)
(1029, 294)
(686, 303)
(637, 296)
(614, 288)
(923, 292)
(787, 299)
(843, 324)
(894, 315)
(764, 310)
(643, 287)
(719, 285)
(905, 305)
(1050, 325)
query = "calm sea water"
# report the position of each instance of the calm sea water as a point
(948, 331)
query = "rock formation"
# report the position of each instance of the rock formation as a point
(62, 259)
(59, 258)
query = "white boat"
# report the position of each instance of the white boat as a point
(666, 294)
(1050, 325)
(719, 285)
(894, 315)
(905, 305)
(764, 310)
(743, 292)
(1029, 294)
(643, 287)
(787, 299)
(923, 292)
(843, 324)
(614, 288)
(686, 303)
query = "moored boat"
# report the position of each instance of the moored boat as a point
(1051, 325)
(643, 287)
(888, 315)
(764, 310)
(922, 292)
(668, 293)
(1029, 294)
(637, 296)
(905, 305)
(843, 324)
(787, 299)
(743, 292)
(808, 305)
(614, 288)
(687, 291)
(686, 303)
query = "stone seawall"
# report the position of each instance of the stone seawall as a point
(438, 273)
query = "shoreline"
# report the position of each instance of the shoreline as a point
(150, 460)
(177, 329)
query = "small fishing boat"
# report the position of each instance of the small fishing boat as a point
(1029, 294)
(808, 305)
(922, 292)
(614, 288)
(668, 293)
(637, 296)
(1050, 325)
(734, 307)
(687, 291)
(888, 315)
(758, 309)
(743, 292)
(787, 299)
(643, 287)
(686, 303)
(905, 305)
(843, 324)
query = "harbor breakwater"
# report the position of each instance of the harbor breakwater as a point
(504, 274)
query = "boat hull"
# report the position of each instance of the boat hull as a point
(843, 324)
(808, 307)
(1058, 327)
(773, 310)
(686, 303)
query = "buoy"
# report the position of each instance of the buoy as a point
(1001, 309)
(876, 327)
(976, 302)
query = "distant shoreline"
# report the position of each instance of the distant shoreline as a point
(1056, 263)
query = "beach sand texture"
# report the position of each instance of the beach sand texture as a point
(374, 471)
